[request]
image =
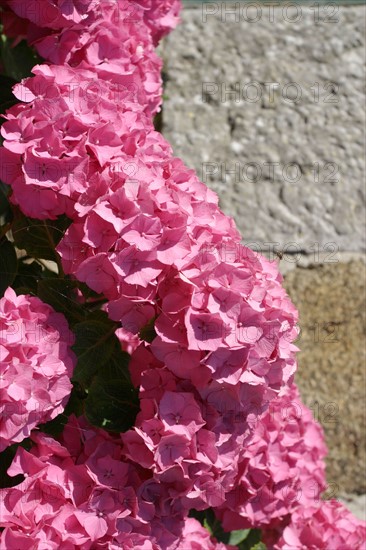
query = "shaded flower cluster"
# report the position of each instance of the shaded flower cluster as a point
(189, 440)
(36, 365)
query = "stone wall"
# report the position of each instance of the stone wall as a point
(267, 105)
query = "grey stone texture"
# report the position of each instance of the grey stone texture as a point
(288, 170)
(311, 204)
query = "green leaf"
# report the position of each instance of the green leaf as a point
(158, 121)
(112, 403)
(95, 343)
(213, 525)
(117, 366)
(244, 539)
(39, 238)
(259, 546)
(206, 525)
(17, 61)
(252, 540)
(199, 515)
(102, 317)
(236, 537)
(8, 264)
(61, 295)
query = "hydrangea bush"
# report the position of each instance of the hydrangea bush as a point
(147, 357)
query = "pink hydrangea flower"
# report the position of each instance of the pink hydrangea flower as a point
(36, 365)
(114, 37)
(81, 492)
(320, 527)
(55, 147)
(191, 437)
(281, 468)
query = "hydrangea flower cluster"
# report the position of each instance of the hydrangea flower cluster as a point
(80, 493)
(115, 37)
(36, 365)
(215, 376)
(320, 527)
(58, 145)
(282, 467)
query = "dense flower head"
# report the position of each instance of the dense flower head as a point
(218, 308)
(196, 424)
(281, 468)
(36, 365)
(322, 526)
(212, 335)
(58, 145)
(114, 37)
(81, 492)
(189, 446)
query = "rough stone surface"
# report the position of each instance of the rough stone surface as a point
(315, 194)
(331, 375)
